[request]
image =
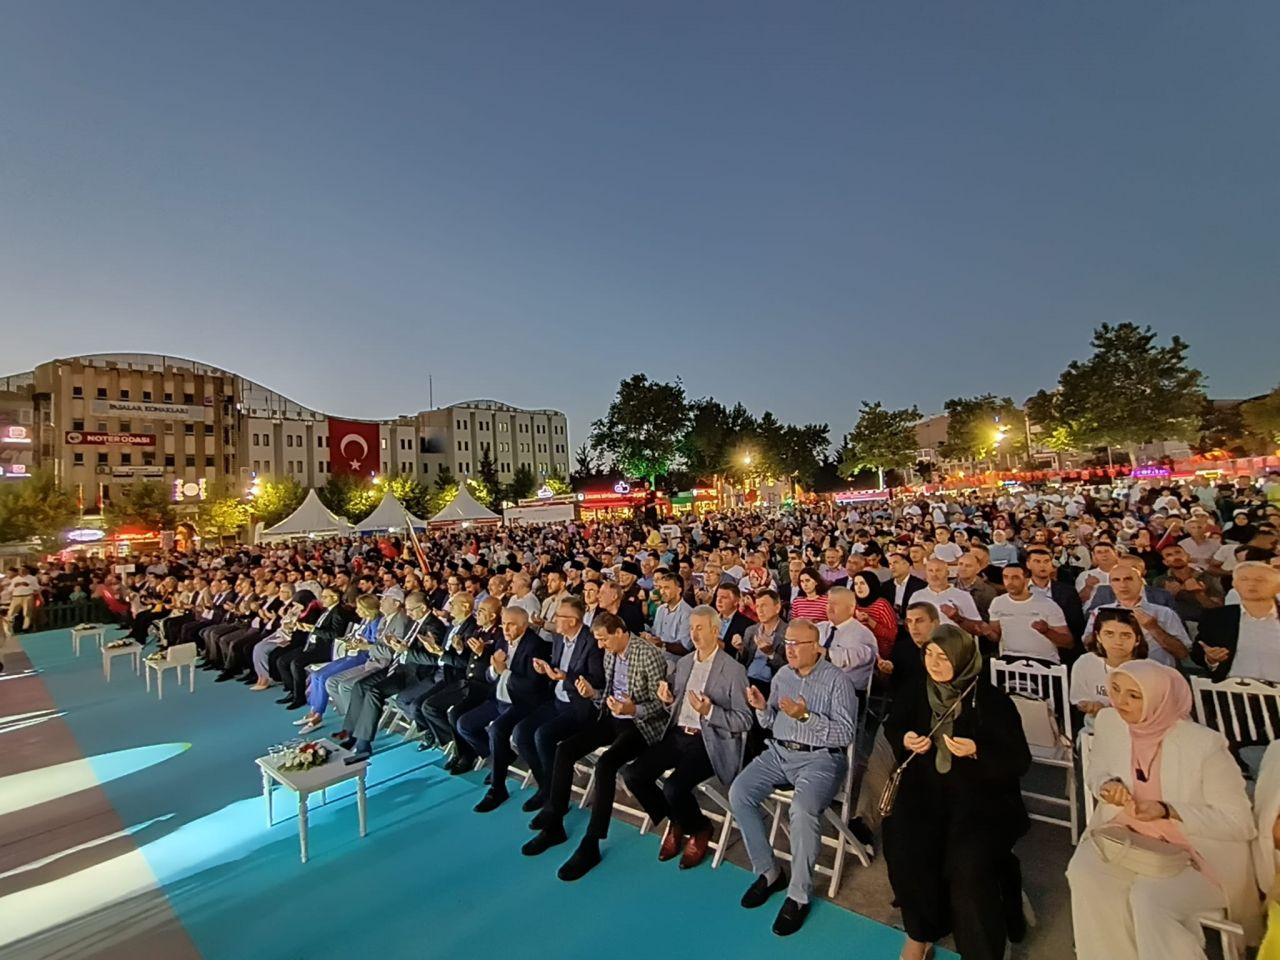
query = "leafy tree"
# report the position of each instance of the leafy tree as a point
(482, 493)
(584, 463)
(1261, 417)
(801, 451)
(222, 516)
(487, 474)
(522, 485)
(349, 496)
(144, 503)
(276, 499)
(881, 440)
(983, 428)
(1131, 391)
(36, 509)
(644, 426)
(445, 479)
(409, 492)
(1222, 428)
(558, 485)
(925, 469)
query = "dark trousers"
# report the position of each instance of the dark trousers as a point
(143, 621)
(447, 700)
(486, 729)
(172, 627)
(190, 632)
(624, 743)
(953, 876)
(686, 756)
(539, 734)
(293, 667)
(237, 649)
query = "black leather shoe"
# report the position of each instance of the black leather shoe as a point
(348, 743)
(490, 801)
(545, 818)
(460, 765)
(534, 803)
(223, 678)
(545, 840)
(762, 890)
(357, 758)
(790, 918)
(287, 698)
(579, 865)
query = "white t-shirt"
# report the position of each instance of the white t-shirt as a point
(948, 552)
(1101, 575)
(1202, 553)
(1089, 680)
(1015, 617)
(963, 602)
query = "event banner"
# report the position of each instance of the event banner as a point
(78, 438)
(353, 447)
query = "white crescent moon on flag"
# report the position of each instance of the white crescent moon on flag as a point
(364, 447)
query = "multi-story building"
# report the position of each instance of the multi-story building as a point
(100, 421)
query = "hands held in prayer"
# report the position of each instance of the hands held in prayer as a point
(665, 694)
(961, 746)
(700, 703)
(1145, 619)
(755, 699)
(1041, 627)
(586, 690)
(916, 743)
(737, 641)
(475, 645)
(648, 637)
(541, 666)
(499, 661)
(1115, 793)
(621, 707)
(1215, 655)
(795, 709)
(1091, 581)
(863, 617)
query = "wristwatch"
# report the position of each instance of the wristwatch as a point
(805, 717)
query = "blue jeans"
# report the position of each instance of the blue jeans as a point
(817, 777)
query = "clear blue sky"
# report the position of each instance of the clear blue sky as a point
(798, 205)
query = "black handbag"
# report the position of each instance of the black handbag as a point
(889, 796)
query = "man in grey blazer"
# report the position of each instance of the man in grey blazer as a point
(394, 625)
(705, 737)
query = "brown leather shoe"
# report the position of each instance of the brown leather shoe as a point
(695, 851)
(671, 841)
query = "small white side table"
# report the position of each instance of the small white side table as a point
(175, 658)
(96, 632)
(316, 780)
(130, 649)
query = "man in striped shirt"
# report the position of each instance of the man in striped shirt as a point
(812, 711)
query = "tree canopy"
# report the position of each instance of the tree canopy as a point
(1261, 418)
(143, 503)
(35, 509)
(881, 440)
(644, 426)
(983, 428)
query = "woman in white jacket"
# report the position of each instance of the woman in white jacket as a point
(1165, 777)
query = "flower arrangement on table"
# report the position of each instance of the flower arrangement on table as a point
(310, 754)
(86, 626)
(122, 642)
(157, 656)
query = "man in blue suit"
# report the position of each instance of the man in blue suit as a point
(574, 654)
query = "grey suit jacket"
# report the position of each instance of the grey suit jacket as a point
(724, 733)
(397, 626)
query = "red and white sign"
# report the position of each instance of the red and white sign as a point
(353, 447)
(77, 438)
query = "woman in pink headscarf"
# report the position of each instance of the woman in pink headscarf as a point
(1157, 773)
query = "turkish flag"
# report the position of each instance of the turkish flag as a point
(353, 447)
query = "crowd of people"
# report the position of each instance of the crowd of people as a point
(755, 650)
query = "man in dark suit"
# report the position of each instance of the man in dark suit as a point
(791, 589)
(318, 648)
(902, 585)
(733, 622)
(413, 658)
(520, 689)
(1225, 647)
(574, 654)
(1044, 581)
(464, 654)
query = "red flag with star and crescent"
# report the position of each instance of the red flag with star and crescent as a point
(353, 448)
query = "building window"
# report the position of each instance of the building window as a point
(288, 466)
(77, 425)
(126, 459)
(300, 466)
(102, 459)
(208, 429)
(190, 460)
(168, 426)
(146, 396)
(502, 427)
(188, 398)
(256, 438)
(189, 429)
(208, 461)
(319, 443)
(266, 439)
(384, 443)
(77, 391)
(257, 466)
(426, 467)
(148, 459)
(288, 440)
(78, 459)
(102, 393)
(126, 426)
(266, 466)
(168, 459)
(168, 397)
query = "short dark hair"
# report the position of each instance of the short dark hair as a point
(575, 604)
(606, 622)
(730, 587)
(927, 608)
(674, 577)
(768, 592)
(1015, 565)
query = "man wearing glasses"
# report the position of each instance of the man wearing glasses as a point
(812, 711)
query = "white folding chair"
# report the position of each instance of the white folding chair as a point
(1035, 686)
(837, 815)
(1242, 710)
(395, 720)
(1086, 751)
(587, 765)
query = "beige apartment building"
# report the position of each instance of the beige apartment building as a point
(105, 420)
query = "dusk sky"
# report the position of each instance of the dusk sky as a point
(798, 205)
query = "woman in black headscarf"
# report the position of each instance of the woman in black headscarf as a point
(949, 840)
(874, 611)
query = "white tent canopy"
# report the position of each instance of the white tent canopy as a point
(311, 517)
(390, 514)
(464, 509)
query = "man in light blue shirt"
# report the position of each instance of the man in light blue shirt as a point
(671, 621)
